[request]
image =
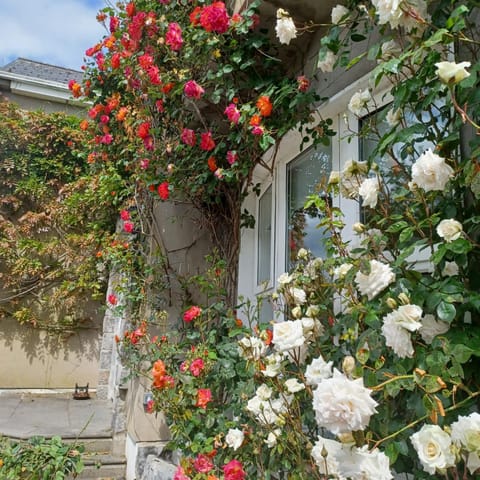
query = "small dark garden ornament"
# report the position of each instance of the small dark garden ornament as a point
(81, 393)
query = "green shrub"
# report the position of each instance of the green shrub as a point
(39, 459)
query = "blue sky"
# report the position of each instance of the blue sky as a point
(51, 31)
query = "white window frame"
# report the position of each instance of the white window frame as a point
(336, 108)
(266, 286)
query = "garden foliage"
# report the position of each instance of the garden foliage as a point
(55, 215)
(370, 367)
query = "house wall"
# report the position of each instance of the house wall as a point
(179, 239)
(32, 103)
(32, 359)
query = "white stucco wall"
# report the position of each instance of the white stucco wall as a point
(30, 358)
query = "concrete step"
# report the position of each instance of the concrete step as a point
(97, 445)
(103, 467)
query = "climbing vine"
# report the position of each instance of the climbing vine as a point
(55, 216)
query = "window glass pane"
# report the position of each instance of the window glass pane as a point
(264, 242)
(266, 314)
(304, 174)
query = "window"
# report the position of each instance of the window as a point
(264, 237)
(283, 226)
(304, 174)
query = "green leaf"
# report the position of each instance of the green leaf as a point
(438, 255)
(357, 37)
(433, 300)
(397, 226)
(392, 451)
(462, 353)
(437, 37)
(459, 246)
(446, 311)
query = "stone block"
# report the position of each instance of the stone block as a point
(103, 376)
(158, 469)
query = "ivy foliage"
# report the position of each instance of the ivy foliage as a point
(55, 215)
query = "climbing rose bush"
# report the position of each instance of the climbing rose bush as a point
(369, 367)
(186, 99)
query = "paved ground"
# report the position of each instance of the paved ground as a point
(23, 415)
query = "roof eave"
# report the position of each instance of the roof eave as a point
(39, 88)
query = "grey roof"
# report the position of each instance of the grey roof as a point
(44, 71)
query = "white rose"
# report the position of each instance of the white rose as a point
(299, 296)
(343, 461)
(252, 348)
(373, 465)
(358, 227)
(342, 405)
(254, 405)
(327, 61)
(408, 317)
(266, 412)
(293, 385)
(449, 230)
(450, 269)
(312, 311)
(359, 101)
(348, 365)
(264, 392)
(284, 278)
(339, 13)
(273, 365)
(234, 438)
(308, 325)
(288, 335)
(393, 117)
(330, 464)
(271, 440)
(297, 312)
(451, 72)
(334, 177)
(431, 328)
(466, 432)
(387, 11)
(390, 49)
(318, 370)
(378, 279)
(395, 13)
(430, 172)
(302, 254)
(285, 28)
(273, 410)
(473, 462)
(434, 448)
(342, 270)
(368, 190)
(397, 338)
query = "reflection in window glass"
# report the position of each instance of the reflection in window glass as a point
(304, 174)
(264, 242)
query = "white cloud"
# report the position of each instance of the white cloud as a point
(51, 31)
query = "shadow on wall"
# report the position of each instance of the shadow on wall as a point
(32, 358)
